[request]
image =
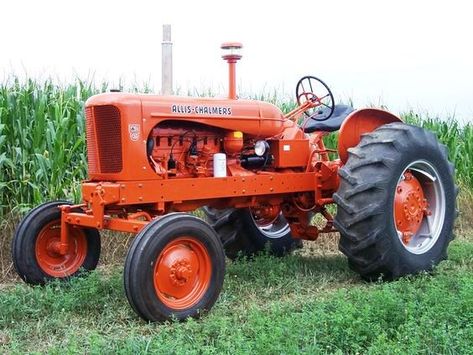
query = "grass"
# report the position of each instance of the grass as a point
(288, 305)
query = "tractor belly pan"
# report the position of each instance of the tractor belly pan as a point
(177, 190)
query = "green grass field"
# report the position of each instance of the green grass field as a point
(308, 302)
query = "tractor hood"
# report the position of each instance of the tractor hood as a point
(255, 118)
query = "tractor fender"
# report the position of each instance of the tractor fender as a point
(360, 122)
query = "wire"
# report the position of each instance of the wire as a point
(178, 140)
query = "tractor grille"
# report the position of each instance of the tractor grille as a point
(104, 140)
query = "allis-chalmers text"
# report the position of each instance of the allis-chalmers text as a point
(201, 110)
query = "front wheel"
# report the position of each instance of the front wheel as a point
(396, 202)
(174, 268)
(34, 256)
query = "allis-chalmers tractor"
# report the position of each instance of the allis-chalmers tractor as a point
(258, 175)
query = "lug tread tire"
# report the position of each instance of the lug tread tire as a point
(365, 201)
(241, 237)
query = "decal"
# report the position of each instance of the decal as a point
(201, 110)
(134, 130)
(286, 148)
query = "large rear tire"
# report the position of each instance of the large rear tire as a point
(244, 235)
(35, 260)
(396, 202)
(174, 268)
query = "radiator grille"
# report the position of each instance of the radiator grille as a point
(91, 143)
(104, 140)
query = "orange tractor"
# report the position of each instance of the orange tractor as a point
(259, 176)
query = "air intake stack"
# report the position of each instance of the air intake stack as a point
(231, 53)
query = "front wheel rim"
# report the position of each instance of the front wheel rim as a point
(419, 207)
(182, 273)
(46, 250)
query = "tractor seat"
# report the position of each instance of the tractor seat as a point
(340, 112)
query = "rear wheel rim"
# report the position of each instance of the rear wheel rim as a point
(274, 228)
(419, 207)
(182, 273)
(46, 250)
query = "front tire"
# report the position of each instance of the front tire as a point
(396, 202)
(174, 268)
(34, 259)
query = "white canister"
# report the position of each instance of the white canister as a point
(220, 165)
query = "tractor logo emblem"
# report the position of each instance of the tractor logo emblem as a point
(134, 130)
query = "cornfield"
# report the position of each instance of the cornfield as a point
(42, 140)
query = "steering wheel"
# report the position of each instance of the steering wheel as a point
(310, 88)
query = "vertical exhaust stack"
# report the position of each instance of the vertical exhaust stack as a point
(166, 69)
(231, 53)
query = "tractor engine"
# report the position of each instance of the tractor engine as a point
(187, 149)
(183, 150)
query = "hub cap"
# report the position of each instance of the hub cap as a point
(419, 207)
(182, 273)
(47, 250)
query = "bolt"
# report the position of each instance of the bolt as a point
(399, 189)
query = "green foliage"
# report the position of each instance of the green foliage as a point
(42, 136)
(456, 136)
(269, 305)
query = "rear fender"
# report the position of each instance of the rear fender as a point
(360, 122)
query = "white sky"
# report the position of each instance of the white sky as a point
(404, 54)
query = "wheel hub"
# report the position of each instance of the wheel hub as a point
(181, 272)
(410, 206)
(47, 248)
(265, 215)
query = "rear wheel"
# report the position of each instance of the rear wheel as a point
(396, 202)
(175, 268)
(34, 248)
(247, 232)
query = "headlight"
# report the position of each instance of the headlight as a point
(261, 147)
